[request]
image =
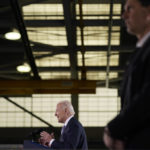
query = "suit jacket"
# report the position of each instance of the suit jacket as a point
(134, 116)
(73, 137)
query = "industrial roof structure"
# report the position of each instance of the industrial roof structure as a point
(69, 46)
(64, 40)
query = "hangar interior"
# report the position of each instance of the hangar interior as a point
(72, 50)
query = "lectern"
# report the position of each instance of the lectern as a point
(29, 145)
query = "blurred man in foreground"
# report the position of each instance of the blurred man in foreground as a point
(130, 129)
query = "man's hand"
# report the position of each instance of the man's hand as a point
(112, 144)
(46, 138)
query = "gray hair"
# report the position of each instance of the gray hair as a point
(68, 105)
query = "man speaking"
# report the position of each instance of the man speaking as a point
(72, 134)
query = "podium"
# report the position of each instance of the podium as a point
(29, 145)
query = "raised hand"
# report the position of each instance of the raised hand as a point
(46, 138)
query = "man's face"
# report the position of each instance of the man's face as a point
(135, 17)
(60, 113)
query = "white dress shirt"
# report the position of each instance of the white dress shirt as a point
(143, 40)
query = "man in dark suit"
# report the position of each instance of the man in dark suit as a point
(130, 129)
(72, 134)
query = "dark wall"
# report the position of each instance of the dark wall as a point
(18, 135)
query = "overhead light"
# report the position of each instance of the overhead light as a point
(13, 35)
(24, 68)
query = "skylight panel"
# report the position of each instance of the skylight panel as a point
(43, 12)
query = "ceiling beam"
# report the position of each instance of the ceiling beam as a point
(61, 23)
(58, 23)
(45, 91)
(24, 87)
(64, 49)
(88, 68)
(67, 69)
